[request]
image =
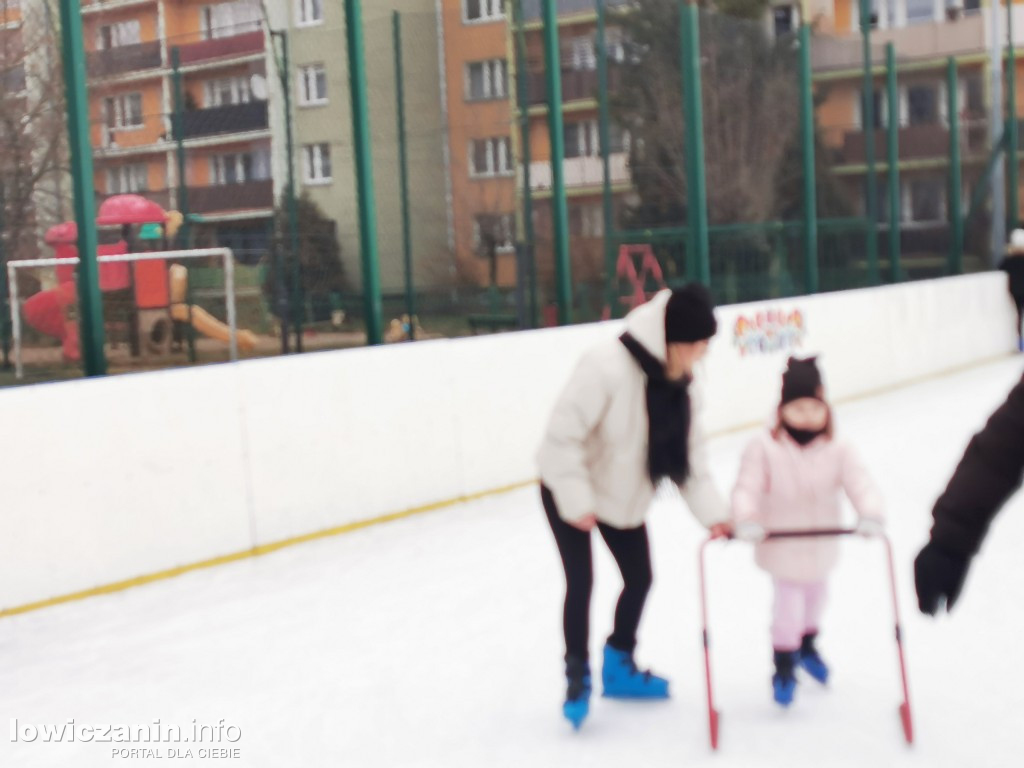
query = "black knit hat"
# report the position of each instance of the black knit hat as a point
(690, 314)
(802, 379)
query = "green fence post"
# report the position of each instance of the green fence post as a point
(361, 141)
(296, 294)
(90, 307)
(1011, 107)
(956, 220)
(523, 105)
(893, 159)
(5, 308)
(403, 171)
(698, 263)
(556, 127)
(604, 129)
(178, 126)
(810, 228)
(868, 114)
(179, 138)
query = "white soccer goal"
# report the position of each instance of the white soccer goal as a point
(177, 307)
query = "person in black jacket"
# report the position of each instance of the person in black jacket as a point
(988, 474)
(1013, 265)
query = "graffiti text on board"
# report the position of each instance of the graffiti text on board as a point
(770, 330)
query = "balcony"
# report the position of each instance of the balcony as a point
(916, 142)
(931, 41)
(531, 8)
(123, 59)
(581, 172)
(231, 197)
(230, 47)
(577, 84)
(233, 118)
(99, 6)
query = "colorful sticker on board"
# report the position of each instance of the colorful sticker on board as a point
(771, 330)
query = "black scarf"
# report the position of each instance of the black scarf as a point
(668, 417)
(803, 437)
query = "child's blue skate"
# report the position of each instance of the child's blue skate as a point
(577, 696)
(811, 660)
(622, 680)
(784, 681)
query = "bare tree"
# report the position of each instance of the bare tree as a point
(750, 105)
(33, 139)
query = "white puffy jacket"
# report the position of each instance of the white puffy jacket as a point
(594, 454)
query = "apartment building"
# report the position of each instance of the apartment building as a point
(486, 144)
(323, 130)
(925, 33)
(226, 79)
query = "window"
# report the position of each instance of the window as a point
(578, 53)
(240, 167)
(783, 20)
(619, 139)
(486, 80)
(615, 45)
(123, 111)
(920, 11)
(312, 84)
(230, 19)
(310, 12)
(586, 220)
(483, 10)
(128, 178)
(879, 108)
(118, 35)
(973, 93)
(927, 200)
(13, 80)
(227, 91)
(972, 6)
(923, 104)
(493, 230)
(582, 139)
(490, 157)
(317, 163)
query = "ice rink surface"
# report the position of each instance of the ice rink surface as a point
(436, 641)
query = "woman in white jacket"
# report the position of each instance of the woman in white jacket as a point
(626, 420)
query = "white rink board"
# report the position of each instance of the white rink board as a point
(112, 479)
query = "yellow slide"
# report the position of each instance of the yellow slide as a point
(202, 320)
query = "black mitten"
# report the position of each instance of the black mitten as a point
(938, 574)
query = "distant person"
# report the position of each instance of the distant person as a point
(989, 472)
(627, 420)
(1013, 265)
(790, 479)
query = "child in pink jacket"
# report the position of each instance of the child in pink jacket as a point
(789, 479)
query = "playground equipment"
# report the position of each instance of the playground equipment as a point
(66, 298)
(145, 296)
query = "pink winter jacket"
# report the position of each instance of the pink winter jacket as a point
(782, 486)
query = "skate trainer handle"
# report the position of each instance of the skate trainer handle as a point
(809, 532)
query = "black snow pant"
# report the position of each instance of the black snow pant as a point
(630, 548)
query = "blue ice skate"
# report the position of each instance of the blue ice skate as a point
(811, 660)
(577, 696)
(784, 681)
(622, 680)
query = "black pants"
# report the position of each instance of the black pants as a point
(632, 554)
